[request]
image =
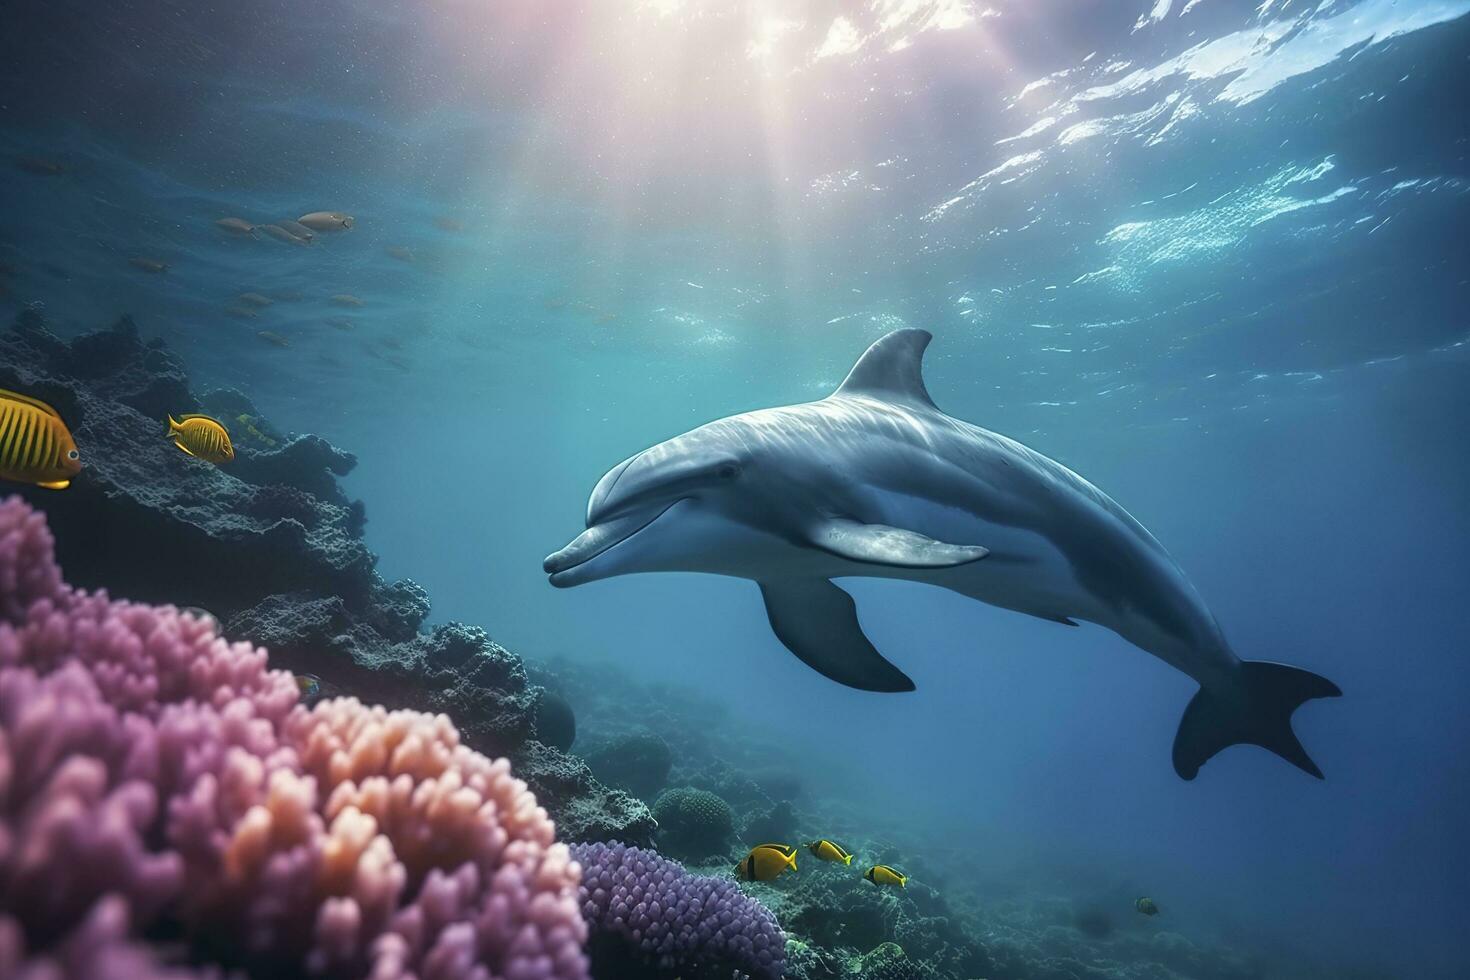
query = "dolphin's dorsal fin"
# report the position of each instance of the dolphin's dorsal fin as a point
(892, 369)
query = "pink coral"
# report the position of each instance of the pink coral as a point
(156, 779)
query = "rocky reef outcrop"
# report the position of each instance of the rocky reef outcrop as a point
(556, 722)
(219, 540)
(638, 762)
(272, 546)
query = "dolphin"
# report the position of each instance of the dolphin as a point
(875, 481)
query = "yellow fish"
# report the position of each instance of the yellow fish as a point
(882, 874)
(826, 850)
(248, 424)
(1147, 906)
(765, 862)
(201, 436)
(310, 688)
(35, 445)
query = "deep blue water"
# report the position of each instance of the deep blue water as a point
(1211, 255)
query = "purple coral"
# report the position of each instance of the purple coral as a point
(156, 779)
(674, 919)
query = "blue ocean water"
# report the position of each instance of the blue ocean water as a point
(1209, 254)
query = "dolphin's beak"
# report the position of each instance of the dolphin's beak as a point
(568, 567)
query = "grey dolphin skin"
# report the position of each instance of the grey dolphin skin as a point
(876, 481)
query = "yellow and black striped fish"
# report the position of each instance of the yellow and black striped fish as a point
(827, 850)
(765, 862)
(201, 436)
(882, 874)
(35, 445)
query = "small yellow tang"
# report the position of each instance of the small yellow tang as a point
(310, 688)
(765, 862)
(827, 850)
(201, 436)
(882, 874)
(35, 445)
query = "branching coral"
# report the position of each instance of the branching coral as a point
(156, 779)
(637, 900)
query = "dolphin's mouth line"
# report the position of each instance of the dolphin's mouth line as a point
(625, 467)
(600, 539)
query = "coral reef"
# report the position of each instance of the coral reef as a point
(647, 913)
(958, 919)
(273, 548)
(638, 762)
(693, 822)
(156, 779)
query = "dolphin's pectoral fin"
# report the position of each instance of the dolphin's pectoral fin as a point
(818, 622)
(879, 544)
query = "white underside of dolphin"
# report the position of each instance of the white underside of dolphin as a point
(876, 481)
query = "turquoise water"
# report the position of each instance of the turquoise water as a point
(1210, 255)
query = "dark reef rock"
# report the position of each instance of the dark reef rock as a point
(271, 545)
(778, 784)
(308, 463)
(807, 962)
(556, 722)
(776, 825)
(728, 783)
(398, 609)
(455, 669)
(638, 762)
(587, 810)
(693, 823)
(113, 365)
(1093, 921)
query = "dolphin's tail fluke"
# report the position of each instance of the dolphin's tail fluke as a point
(1262, 717)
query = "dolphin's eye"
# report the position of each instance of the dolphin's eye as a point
(727, 471)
